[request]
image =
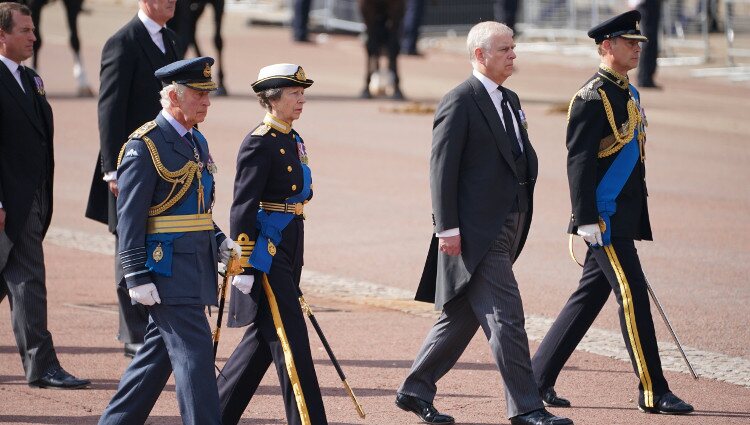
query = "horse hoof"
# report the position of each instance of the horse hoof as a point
(221, 91)
(85, 91)
(365, 94)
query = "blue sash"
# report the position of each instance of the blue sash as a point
(614, 179)
(272, 224)
(188, 205)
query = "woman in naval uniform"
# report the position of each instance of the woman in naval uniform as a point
(271, 186)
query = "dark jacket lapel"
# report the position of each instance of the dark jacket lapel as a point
(527, 148)
(24, 101)
(484, 102)
(152, 53)
(172, 138)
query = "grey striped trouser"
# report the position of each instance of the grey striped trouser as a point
(493, 302)
(23, 280)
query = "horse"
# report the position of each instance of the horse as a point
(185, 22)
(383, 19)
(72, 9)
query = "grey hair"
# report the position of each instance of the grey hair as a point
(266, 96)
(481, 34)
(179, 89)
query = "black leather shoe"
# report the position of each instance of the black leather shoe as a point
(426, 411)
(668, 404)
(539, 417)
(56, 377)
(551, 399)
(131, 348)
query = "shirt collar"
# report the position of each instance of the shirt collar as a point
(151, 26)
(279, 125)
(11, 64)
(488, 84)
(173, 122)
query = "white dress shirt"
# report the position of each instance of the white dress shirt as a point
(179, 128)
(15, 70)
(154, 30)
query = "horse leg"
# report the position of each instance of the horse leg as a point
(219, 43)
(73, 9)
(395, 20)
(196, 10)
(36, 16)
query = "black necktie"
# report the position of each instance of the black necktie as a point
(510, 129)
(168, 50)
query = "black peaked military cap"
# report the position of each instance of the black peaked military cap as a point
(625, 25)
(281, 75)
(194, 73)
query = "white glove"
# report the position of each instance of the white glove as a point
(591, 233)
(227, 248)
(145, 294)
(243, 282)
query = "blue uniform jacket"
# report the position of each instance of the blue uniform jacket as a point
(194, 254)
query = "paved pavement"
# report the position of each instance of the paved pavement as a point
(368, 228)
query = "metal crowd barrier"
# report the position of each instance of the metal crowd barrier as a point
(736, 20)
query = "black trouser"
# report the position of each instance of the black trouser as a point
(241, 375)
(615, 268)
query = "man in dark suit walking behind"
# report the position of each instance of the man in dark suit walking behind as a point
(482, 180)
(128, 97)
(26, 167)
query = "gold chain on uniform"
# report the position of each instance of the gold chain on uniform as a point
(183, 176)
(634, 119)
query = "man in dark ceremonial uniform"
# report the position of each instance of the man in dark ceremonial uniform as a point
(606, 172)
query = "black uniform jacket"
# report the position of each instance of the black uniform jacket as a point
(26, 153)
(587, 126)
(269, 170)
(128, 97)
(473, 182)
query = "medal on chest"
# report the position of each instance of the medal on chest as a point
(301, 151)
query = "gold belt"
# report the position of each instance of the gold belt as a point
(296, 209)
(179, 223)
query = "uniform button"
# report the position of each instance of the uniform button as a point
(294, 187)
(289, 168)
(273, 134)
(282, 151)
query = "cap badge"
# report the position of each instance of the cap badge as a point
(300, 74)
(207, 71)
(637, 26)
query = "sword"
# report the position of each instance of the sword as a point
(659, 307)
(306, 309)
(669, 326)
(233, 268)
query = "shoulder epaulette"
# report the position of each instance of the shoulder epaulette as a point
(590, 90)
(142, 130)
(261, 130)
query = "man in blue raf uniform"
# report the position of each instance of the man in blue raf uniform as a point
(168, 244)
(272, 184)
(606, 171)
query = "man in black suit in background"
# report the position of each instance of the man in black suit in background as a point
(482, 174)
(128, 97)
(26, 168)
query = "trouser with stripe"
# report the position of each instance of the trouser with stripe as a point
(261, 345)
(614, 268)
(23, 281)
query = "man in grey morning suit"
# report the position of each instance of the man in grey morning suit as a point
(482, 181)
(26, 169)
(128, 97)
